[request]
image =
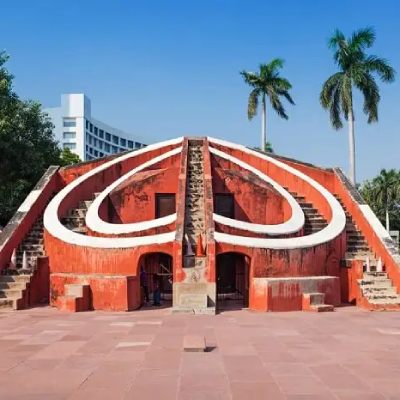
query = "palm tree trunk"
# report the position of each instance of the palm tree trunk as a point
(387, 220)
(263, 124)
(352, 149)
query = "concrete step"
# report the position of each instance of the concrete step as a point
(7, 304)
(12, 285)
(15, 278)
(322, 307)
(376, 283)
(11, 293)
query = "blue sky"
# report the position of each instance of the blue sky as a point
(161, 69)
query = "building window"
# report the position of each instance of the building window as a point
(115, 139)
(96, 153)
(69, 122)
(91, 127)
(101, 133)
(108, 137)
(87, 124)
(123, 142)
(106, 147)
(69, 135)
(94, 142)
(90, 139)
(96, 131)
(101, 154)
(90, 150)
(101, 144)
(138, 145)
(71, 146)
(115, 149)
(130, 144)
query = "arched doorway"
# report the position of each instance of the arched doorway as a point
(232, 281)
(155, 271)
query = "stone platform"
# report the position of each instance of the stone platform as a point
(347, 354)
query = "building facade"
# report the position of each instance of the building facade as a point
(212, 224)
(89, 138)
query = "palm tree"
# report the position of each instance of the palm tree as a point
(386, 189)
(356, 69)
(267, 83)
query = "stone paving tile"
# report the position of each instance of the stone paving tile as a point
(349, 354)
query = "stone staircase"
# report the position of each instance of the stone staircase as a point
(314, 221)
(75, 218)
(194, 202)
(14, 282)
(75, 299)
(375, 286)
(316, 302)
(191, 296)
(12, 290)
(378, 289)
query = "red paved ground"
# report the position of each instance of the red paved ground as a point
(348, 354)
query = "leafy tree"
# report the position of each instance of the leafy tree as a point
(267, 83)
(383, 195)
(27, 145)
(356, 69)
(67, 157)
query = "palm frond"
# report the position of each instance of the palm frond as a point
(251, 78)
(381, 66)
(253, 104)
(336, 40)
(362, 38)
(277, 105)
(370, 91)
(282, 83)
(329, 87)
(286, 95)
(334, 109)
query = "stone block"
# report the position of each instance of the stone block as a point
(194, 343)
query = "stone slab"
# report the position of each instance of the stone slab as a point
(194, 343)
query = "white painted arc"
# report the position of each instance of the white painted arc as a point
(330, 232)
(55, 228)
(295, 222)
(96, 224)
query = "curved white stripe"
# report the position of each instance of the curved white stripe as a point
(96, 224)
(330, 232)
(54, 226)
(295, 222)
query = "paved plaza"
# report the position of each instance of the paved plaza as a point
(347, 354)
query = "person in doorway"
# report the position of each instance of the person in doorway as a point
(144, 284)
(157, 291)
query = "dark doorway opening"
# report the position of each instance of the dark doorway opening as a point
(156, 273)
(165, 204)
(224, 205)
(232, 281)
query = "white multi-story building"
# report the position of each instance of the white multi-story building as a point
(76, 129)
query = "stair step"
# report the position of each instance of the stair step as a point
(322, 307)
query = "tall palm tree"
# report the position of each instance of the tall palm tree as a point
(386, 190)
(267, 83)
(356, 68)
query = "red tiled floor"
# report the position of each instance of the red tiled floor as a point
(348, 354)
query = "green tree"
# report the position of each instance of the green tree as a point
(356, 69)
(383, 195)
(27, 145)
(267, 83)
(67, 157)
